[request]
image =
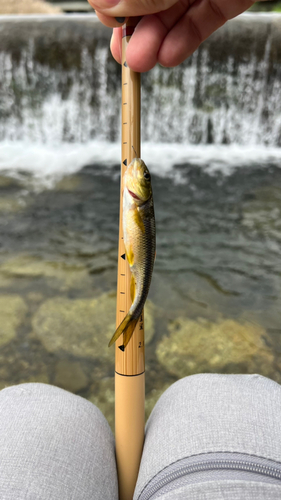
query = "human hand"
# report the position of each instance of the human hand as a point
(169, 31)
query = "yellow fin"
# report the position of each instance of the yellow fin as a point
(133, 288)
(127, 328)
(120, 329)
(128, 332)
(130, 255)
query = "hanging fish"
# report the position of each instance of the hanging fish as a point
(139, 240)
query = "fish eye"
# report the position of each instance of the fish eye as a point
(146, 176)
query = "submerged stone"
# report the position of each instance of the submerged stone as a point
(70, 376)
(68, 183)
(226, 346)
(262, 212)
(58, 274)
(10, 205)
(12, 313)
(150, 313)
(100, 264)
(5, 282)
(39, 378)
(8, 183)
(82, 327)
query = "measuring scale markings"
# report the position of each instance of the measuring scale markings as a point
(131, 360)
(129, 364)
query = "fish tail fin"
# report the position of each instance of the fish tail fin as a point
(128, 332)
(127, 328)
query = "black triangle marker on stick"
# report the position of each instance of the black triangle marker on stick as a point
(125, 64)
(123, 256)
(125, 162)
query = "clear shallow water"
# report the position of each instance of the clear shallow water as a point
(217, 271)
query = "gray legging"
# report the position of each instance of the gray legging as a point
(211, 437)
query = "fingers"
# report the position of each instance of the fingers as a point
(143, 48)
(130, 8)
(116, 44)
(171, 36)
(200, 20)
(111, 22)
(197, 24)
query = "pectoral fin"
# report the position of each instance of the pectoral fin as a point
(130, 255)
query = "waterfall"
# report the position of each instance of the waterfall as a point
(59, 83)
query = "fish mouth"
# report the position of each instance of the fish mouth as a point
(133, 195)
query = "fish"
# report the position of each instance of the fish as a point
(139, 235)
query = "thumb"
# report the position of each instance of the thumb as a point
(130, 8)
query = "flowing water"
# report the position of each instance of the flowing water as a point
(211, 135)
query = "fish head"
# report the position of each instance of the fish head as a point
(138, 182)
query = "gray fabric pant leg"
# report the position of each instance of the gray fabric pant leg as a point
(54, 446)
(208, 414)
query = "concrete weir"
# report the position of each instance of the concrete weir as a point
(60, 83)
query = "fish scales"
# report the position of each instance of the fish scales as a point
(147, 241)
(140, 241)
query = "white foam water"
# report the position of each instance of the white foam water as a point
(49, 163)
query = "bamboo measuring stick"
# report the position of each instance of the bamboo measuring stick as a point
(129, 365)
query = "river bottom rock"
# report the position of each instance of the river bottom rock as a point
(57, 274)
(226, 346)
(70, 376)
(12, 313)
(82, 327)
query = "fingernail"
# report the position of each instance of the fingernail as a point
(120, 19)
